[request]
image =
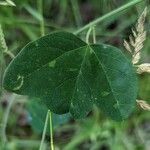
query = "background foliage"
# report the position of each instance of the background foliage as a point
(21, 24)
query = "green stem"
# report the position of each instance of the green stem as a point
(10, 54)
(110, 14)
(51, 131)
(88, 35)
(94, 35)
(75, 8)
(44, 131)
(40, 8)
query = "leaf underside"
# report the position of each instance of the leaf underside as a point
(38, 110)
(72, 76)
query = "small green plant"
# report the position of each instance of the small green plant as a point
(73, 76)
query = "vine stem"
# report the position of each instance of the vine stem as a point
(106, 16)
(51, 131)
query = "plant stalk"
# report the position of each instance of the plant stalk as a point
(106, 16)
(51, 131)
(88, 35)
(44, 131)
(40, 9)
(76, 11)
(94, 35)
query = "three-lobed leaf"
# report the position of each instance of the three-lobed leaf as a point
(72, 76)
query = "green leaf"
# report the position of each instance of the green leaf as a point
(116, 80)
(38, 111)
(72, 76)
